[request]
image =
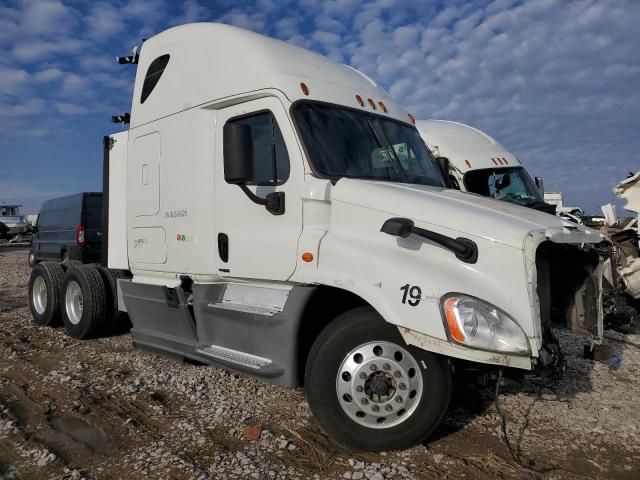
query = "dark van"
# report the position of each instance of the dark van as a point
(68, 228)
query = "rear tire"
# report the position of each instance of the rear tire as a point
(83, 302)
(44, 290)
(117, 321)
(32, 259)
(370, 390)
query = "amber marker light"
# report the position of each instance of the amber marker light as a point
(304, 88)
(360, 101)
(307, 257)
(468, 163)
(412, 118)
(452, 322)
(372, 103)
(383, 107)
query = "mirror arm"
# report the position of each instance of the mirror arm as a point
(464, 249)
(254, 198)
(273, 202)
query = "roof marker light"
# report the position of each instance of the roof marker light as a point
(372, 103)
(494, 161)
(383, 107)
(360, 101)
(307, 257)
(505, 161)
(304, 88)
(468, 163)
(412, 118)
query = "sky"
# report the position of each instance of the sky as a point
(555, 81)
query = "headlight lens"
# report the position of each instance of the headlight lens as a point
(477, 324)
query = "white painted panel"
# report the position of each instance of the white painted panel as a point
(146, 175)
(117, 245)
(148, 245)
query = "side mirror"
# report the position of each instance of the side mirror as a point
(539, 184)
(443, 166)
(238, 153)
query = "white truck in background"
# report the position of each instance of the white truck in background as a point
(277, 213)
(477, 163)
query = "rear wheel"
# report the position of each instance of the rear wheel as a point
(369, 389)
(32, 259)
(83, 300)
(44, 288)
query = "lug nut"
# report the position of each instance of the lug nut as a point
(386, 366)
(375, 408)
(402, 386)
(363, 375)
(364, 401)
(373, 367)
(388, 408)
(359, 388)
(397, 374)
(399, 399)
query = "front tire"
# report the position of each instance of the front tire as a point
(83, 302)
(370, 390)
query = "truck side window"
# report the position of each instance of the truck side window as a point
(270, 157)
(154, 72)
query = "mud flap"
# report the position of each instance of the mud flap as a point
(586, 315)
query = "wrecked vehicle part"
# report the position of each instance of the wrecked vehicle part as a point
(569, 288)
(630, 276)
(629, 190)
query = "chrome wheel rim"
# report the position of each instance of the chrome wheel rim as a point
(73, 302)
(32, 258)
(39, 295)
(379, 385)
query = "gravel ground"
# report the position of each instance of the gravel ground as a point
(99, 409)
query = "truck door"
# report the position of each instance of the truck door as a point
(253, 242)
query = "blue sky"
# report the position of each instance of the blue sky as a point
(556, 81)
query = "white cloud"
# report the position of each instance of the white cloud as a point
(104, 21)
(48, 17)
(34, 50)
(69, 108)
(48, 75)
(13, 80)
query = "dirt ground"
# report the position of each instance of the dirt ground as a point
(99, 409)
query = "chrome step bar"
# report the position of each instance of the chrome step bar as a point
(235, 356)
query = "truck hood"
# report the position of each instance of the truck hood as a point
(468, 214)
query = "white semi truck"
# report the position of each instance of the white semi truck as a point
(277, 213)
(477, 163)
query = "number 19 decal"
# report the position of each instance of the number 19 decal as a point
(413, 292)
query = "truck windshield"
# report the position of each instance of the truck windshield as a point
(342, 142)
(511, 184)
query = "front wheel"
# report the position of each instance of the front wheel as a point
(369, 389)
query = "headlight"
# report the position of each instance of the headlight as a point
(477, 324)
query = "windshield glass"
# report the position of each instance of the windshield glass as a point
(348, 143)
(511, 184)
